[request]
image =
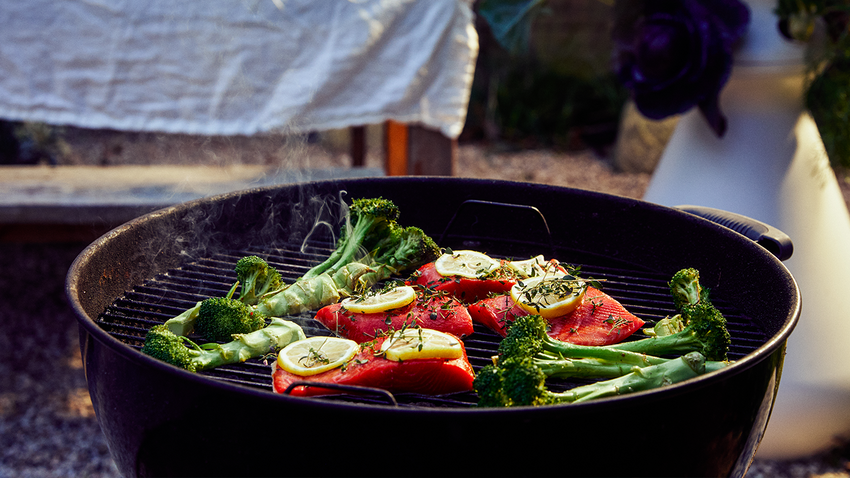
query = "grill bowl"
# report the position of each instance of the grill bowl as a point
(160, 420)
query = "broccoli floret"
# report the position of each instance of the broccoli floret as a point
(164, 345)
(518, 381)
(257, 278)
(488, 385)
(685, 288)
(412, 249)
(184, 323)
(408, 249)
(219, 318)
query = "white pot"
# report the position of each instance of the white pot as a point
(771, 165)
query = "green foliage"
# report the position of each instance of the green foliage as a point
(826, 95)
(511, 21)
(544, 106)
(828, 99)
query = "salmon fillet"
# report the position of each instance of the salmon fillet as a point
(432, 311)
(425, 376)
(599, 320)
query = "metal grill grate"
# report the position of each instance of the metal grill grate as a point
(128, 318)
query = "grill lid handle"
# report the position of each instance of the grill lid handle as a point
(775, 241)
(478, 203)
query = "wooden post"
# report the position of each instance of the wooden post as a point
(358, 146)
(416, 150)
(395, 148)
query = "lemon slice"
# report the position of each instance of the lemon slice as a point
(549, 296)
(385, 300)
(529, 267)
(470, 264)
(535, 267)
(315, 355)
(418, 343)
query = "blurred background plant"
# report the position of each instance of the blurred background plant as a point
(824, 25)
(543, 77)
(543, 85)
(31, 143)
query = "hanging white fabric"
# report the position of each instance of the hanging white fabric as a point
(237, 67)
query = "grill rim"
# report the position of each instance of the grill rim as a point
(90, 327)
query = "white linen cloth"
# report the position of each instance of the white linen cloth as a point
(237, 67)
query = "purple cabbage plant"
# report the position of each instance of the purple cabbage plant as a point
(673, 55)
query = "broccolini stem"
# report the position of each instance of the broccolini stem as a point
(587, 368)
(641, 378)
(678, 343)
(300, 296)
(609, 354)
(278, 334)
(184, 323)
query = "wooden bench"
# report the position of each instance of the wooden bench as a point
(80, 203)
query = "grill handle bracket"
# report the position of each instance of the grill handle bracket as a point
(494, 204)
(775, 241)
(390, 399)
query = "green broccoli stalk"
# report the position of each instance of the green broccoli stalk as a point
(184, 324)
(527, 337)
(371, 222)
(519, 382)
(300, 296)
(219, 318)
(409, 248)
(257, 277)
(704, 331)
(373, 249)
(182, 352)
(700, 326)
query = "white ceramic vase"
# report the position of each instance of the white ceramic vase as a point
(771, 165)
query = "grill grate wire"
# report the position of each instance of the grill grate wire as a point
(128, 318)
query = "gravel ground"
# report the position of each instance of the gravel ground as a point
(47, 424)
